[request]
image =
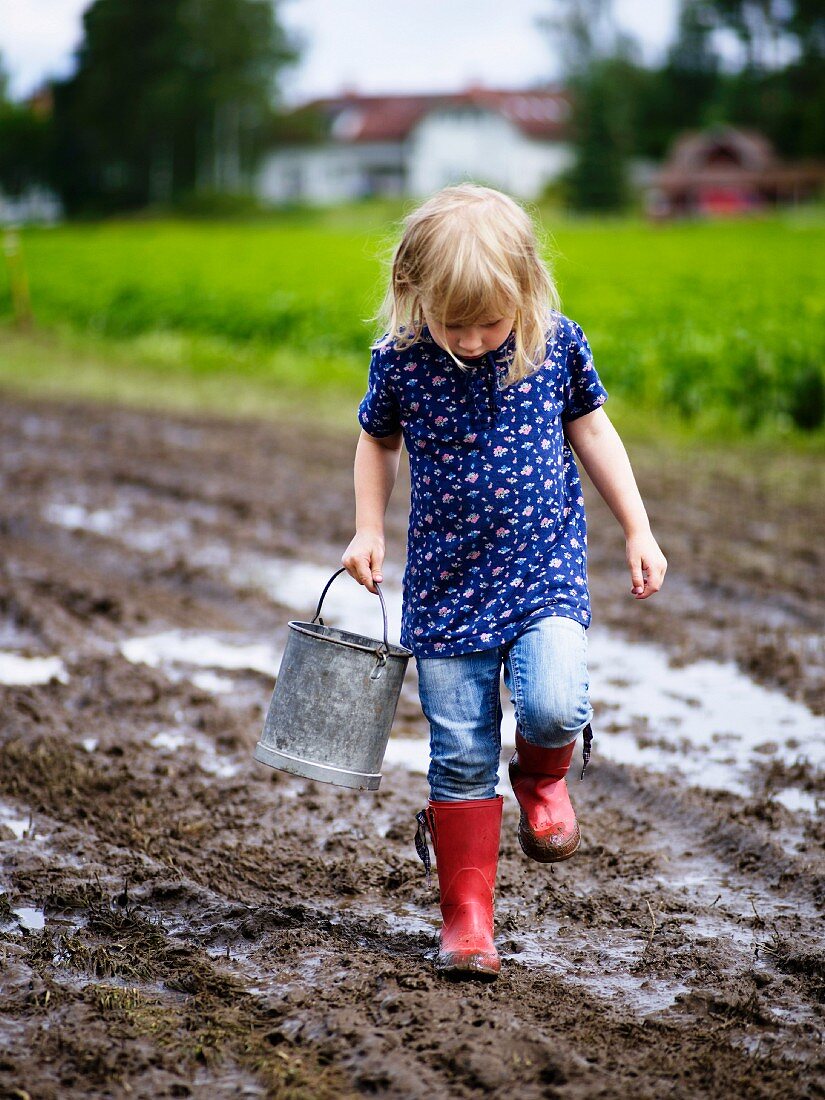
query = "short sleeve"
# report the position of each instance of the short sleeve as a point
(378, 412)
(583, 390)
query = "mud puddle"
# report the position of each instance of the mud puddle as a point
(705, 720)
(210, 927)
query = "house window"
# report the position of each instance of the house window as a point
(347, 125)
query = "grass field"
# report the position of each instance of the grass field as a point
(721, 326)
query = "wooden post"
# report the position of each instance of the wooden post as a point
(18, 280)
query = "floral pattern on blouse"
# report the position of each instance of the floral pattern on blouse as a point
(497, 532)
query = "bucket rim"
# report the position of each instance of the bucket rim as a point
(299, 626)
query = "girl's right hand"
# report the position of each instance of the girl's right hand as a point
(364, 557)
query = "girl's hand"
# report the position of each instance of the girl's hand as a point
(647, 564)
(364, 557)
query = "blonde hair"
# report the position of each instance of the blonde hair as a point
(471, 252)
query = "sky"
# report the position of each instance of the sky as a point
(369, 45)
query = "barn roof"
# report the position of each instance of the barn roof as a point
(727, 155)
(695, 149)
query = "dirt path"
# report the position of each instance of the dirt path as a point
(178, 920)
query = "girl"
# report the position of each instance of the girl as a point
(491, 388)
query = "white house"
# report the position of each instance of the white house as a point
(414, 144)
(36, 204)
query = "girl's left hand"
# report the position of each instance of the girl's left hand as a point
(647, 564)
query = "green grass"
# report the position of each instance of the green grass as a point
(717, 326)
(182, 373)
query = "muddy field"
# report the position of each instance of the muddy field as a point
(178, 920)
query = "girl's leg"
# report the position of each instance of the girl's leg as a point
(460, 698)
(546, 672)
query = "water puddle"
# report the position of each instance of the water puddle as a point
(299, 585)
(120, 523)
(32, 920)
(406, 920)
(213, 684)
(28, 918)
(21, 826)
(719, 899)
(797, 801)
(209, 759)
(410, 753)
(77, 517)
(705, 721)
(180, 653)
(18, 670)
(200, 658)
(606, 972)
(168, 740)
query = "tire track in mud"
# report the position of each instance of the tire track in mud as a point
(679, 952)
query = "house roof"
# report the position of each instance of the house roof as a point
(352, 118)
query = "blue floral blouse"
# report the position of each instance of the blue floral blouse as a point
(497, 531)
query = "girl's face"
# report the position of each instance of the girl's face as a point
(470, 341)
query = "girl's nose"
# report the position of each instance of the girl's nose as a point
(468, 341)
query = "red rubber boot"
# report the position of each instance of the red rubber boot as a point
(548, 831)
(466, 838)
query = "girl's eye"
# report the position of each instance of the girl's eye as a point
(481, 324)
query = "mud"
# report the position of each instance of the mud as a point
(177, 920)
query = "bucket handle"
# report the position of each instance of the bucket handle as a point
(382, 650)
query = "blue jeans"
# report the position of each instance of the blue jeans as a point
(545, 671)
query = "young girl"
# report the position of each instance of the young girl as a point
(491, 388)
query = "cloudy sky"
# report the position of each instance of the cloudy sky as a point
(371, 45)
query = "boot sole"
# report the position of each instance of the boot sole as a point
(473, 967)
(543, 851)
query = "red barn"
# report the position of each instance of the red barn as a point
(726, 171)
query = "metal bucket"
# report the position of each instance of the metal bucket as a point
(334, 702)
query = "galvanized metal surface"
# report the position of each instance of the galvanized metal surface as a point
(334, 703)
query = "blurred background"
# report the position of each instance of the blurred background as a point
(198, 197)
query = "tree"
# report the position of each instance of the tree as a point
(760, 26)
(168, 96)
(599, 65)
(684, 93)
(780, 88)
(601, 120)
(24, 143)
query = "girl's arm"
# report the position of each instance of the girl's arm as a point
(602, 453)
(376, 468)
